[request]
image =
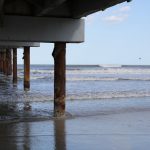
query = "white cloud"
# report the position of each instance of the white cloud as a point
(125, 9)
(115, 18)
(119, 15)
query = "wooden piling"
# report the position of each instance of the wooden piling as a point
(4, 63)
(1, 62)
(26, 68)
(14, 65)
(59, 55)
(8, 62)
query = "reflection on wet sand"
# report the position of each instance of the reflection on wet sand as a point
(35, 135)
(60, 134)
(7, 142)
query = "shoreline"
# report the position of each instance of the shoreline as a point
(43, 111)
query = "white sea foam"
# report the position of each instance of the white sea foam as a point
(94, 74)
(46, 77)
(106, 79)
(81, 96)
(103, 70)
(109, 95)
(110, 71)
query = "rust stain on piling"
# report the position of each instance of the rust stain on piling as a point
(14, 65)
(4, 63)
(1, 62)
(8, 62)
(26, 68)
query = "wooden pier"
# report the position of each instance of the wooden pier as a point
(27, 23)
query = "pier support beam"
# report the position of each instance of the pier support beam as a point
(59, 55)
(8, 62)
(4, 64)
(14, 65)
(26, 68)
(1, 62)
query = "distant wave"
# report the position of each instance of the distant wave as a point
(137, 66)
(37, 77)
(91, 79)
(87, 78)
(110, 65)
(136, 79)
(107, 79)
(94, 71)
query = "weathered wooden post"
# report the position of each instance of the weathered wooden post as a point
(26, 68)
(14, 65)
(4, 63)
(59, 55)
(8, 62)
(1, 62)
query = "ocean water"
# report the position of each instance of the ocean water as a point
(90, 82)
(83, 82)
(106, 84)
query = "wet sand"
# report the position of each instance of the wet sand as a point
(116, 129)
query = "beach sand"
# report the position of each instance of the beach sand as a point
(115, 128)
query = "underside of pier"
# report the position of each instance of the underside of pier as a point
(55, 8)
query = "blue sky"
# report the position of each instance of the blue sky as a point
(118, 35)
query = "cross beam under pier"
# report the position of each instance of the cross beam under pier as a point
(42, 29)
(15, 44)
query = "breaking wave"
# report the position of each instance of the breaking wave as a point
(41, 97)
(94, 71)
(107, 79)
(87, 78)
